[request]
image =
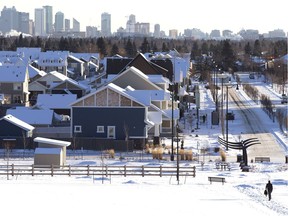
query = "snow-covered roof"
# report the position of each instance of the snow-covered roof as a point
(76, 59)
(73, 82)
(157, 79)
(86, 56)
(18, 122)
(56, 101)
(113, 87)
(33, 116)
(34, 71)
(52, 141)
(53, 58)
(13, 73)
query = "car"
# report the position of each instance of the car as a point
(251, 76)
(284, 99)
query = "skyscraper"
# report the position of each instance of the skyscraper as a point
(49, 19)
(76, 26)
(24, 22)
(40, 27)
(9, 19)
(106, 24)
(59, 22)
(157, 30)
(130, 25)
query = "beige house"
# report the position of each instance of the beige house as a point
(50, 151)
(14, 85)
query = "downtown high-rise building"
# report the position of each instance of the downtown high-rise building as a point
(9, 20)
(106, 24)
(40, 22)
(48, 19)
(24, 23)
(76, 26)
(157, 30)
(59, 22)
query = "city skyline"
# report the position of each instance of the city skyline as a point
(206, 16)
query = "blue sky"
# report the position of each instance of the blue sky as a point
(205, 15)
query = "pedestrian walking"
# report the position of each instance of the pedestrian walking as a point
(269, 189)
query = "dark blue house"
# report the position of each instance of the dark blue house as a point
(110, 114)
(12, 127)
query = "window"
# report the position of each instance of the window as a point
(77, 129)
(111, 132)
(17, 86)
(100, 129)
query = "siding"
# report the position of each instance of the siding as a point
(90, 118)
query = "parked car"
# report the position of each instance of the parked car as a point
(284, 99)
(251, 76)
(230, 116)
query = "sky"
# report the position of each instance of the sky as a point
(182, 14)
(242, 194)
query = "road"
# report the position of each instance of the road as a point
(257, 127)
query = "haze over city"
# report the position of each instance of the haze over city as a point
(205, 15)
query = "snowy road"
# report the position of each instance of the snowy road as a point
(258, 126)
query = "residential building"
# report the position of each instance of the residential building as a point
(14, 84)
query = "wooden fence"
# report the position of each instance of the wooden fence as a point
(68, 170)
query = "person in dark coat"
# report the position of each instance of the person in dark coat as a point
(269, 189)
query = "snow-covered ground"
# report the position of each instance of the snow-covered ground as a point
(242, 194)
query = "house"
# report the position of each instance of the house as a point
(70, 86)
(110, 117)
(14, 129)
(14, 84)
(50, 151)
(52, 61)
(56, 83)
(154, 87)
(90, 63)
(75, 67)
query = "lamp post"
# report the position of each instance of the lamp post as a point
(177, 153)
(227, 117)
(172, 126)
(227, 94)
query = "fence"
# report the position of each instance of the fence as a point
(105, 170)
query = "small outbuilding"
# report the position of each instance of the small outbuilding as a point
(50, 151)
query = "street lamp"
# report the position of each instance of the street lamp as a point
(227, 93)
(172, 125)
(177, 152)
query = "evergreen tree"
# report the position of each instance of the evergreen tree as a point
(257, 48)
(114, 50)
(145, 47)
(248, 49)
(129, 48)
(101, 47)
(228, 56)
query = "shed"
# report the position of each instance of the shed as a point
(50, 151)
